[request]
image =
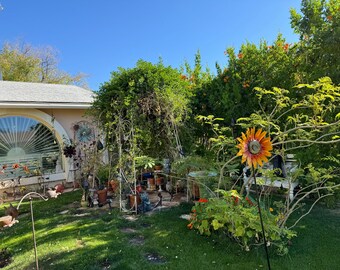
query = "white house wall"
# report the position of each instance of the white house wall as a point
(63, 122)
(67, 118)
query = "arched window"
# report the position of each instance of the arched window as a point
(27, 147)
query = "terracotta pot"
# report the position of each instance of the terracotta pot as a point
(151, 181)
(102, 196)
(132, 198)
(159, 181)
(139, 188)
(151, 184)
(59, 188)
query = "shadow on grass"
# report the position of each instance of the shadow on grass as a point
(96, 241)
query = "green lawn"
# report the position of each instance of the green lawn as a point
(102, 240)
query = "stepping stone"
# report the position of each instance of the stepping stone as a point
(155, 258)
(137, 241)
(130, 218)
(185, 216)
(128, 230)
(82, 215)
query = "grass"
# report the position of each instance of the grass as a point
(97, 241)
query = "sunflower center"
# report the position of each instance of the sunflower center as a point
(254, 147)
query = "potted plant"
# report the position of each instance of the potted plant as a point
(145, 164)
(102, 196)
(103, 175)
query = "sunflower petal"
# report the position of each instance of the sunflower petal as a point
(257, 134)
(254, 159)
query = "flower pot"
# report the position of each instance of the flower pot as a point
(133, 198)
(139, 188)
(151, 184)
(59, 188)
(102, 196)
(151, 181)
(159, 181)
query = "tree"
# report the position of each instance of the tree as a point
(319, 30)
(230, 94)
(149, 102)
(22, 62)
(294, 124)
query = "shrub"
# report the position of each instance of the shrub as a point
(238, 218)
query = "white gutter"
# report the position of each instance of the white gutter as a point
(38, 105)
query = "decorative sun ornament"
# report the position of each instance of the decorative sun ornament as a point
(84, 132)
(254, 147)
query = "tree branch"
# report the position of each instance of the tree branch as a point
(310, 209)
(316, 141)
(306, 127)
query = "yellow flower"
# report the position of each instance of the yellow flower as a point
(271, 209)
(254, 147)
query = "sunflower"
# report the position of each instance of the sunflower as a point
(254, 147)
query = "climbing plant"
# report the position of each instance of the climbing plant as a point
(154, 98)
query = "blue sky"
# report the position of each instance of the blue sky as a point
(96, 37)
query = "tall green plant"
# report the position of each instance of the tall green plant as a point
(155, 97)
(318, 25)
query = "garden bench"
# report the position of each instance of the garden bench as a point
(287, 182)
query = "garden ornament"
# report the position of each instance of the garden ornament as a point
(52, 193)
(12, 211)
(254, 148)
(7, 221)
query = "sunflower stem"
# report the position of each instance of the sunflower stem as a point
(260, 213)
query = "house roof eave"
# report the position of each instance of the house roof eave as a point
(51, 105)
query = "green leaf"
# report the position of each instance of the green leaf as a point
(216, 224)
(239, 231)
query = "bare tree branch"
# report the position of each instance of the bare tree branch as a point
(310, 209)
